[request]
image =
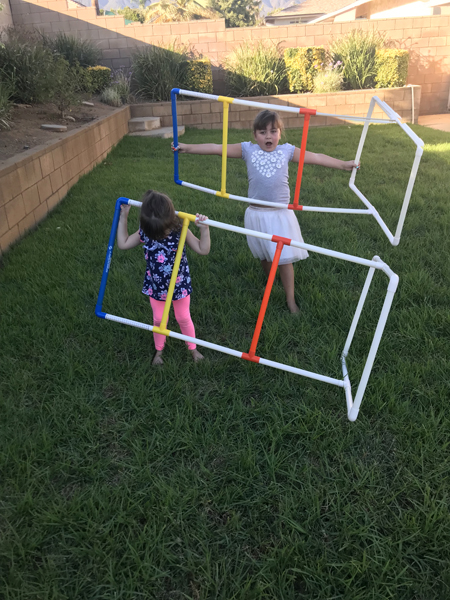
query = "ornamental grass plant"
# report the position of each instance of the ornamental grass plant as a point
(329, 79)
(6, 93)
(256, 70)
(74, 49)
(227, 479)
(158, 69)
(357, 53)
(26, 65)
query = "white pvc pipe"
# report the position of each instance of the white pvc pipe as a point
(354, 118)
(409, 189)
(309, 247)
(349, 211)
(353, 414)
(237, 354)
(277, 107)
(267, 236)
(358, 311)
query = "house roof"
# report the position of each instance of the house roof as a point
(313, 7)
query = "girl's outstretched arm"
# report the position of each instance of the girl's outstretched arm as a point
(233, 150)
(202, 245)
(125, 241)
(323, 160)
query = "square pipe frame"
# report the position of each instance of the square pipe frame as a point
(393, 117)
(353, 405)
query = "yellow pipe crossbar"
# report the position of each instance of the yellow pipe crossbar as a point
(226, 105)
(176, 265)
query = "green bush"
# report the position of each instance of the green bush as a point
(256, 70)
(391, 67)
(27, 66)
(6, 93)
(70, 83)
(357, 51)
(158, 69)
(198, 76)
(100, 78)
(74, 50)
(302, 65)
(132, 14)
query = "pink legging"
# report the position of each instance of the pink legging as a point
(182, 315)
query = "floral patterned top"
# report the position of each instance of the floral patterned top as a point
(160, 257)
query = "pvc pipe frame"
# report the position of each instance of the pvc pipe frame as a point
(394, 239)
(376, 263)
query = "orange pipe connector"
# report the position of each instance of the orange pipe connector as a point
(262, 311)
(298, 183)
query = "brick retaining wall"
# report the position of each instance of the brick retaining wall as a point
(203, 114)
(31, 185)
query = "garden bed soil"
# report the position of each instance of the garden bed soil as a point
(26, 133)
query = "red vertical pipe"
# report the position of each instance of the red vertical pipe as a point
(302, 160)
(265, 300)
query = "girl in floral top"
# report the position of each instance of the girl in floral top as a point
(159, 232)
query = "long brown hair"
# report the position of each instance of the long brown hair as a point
(158, 218)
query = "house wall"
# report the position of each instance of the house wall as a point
(33, 183)
(426, 38)
(6, 19)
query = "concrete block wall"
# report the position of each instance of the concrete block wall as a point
(6, 19)
(427, 39)
(202, 114)
(33, 183)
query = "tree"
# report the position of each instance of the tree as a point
(238, 13)
(169, 11)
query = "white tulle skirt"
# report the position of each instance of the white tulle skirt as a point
(275, 221)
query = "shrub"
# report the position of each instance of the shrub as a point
(132, 14)
(6, 93)
(74, 50)
(100, 78)
(198, 76)
(70, 82)
(27, 66)
(302, 65)
(158, 69)
(357, 51)
(391, 68)
(256, 70)
(111, 96)
(328, 80)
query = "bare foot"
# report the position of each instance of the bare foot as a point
(196, 355)
(293, 308)
(157, 359)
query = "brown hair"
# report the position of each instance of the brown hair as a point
(158, 216)
(265, 118)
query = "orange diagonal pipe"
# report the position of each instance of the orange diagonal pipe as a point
(265, 300)
(298, 183)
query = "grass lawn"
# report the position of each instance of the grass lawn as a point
(229, 480)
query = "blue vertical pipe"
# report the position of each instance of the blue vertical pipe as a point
(173, 95)
(112, 239)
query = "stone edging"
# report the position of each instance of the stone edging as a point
(34, 182)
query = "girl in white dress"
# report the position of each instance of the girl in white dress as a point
(268, 177)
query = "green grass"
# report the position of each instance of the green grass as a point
(229, 480)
